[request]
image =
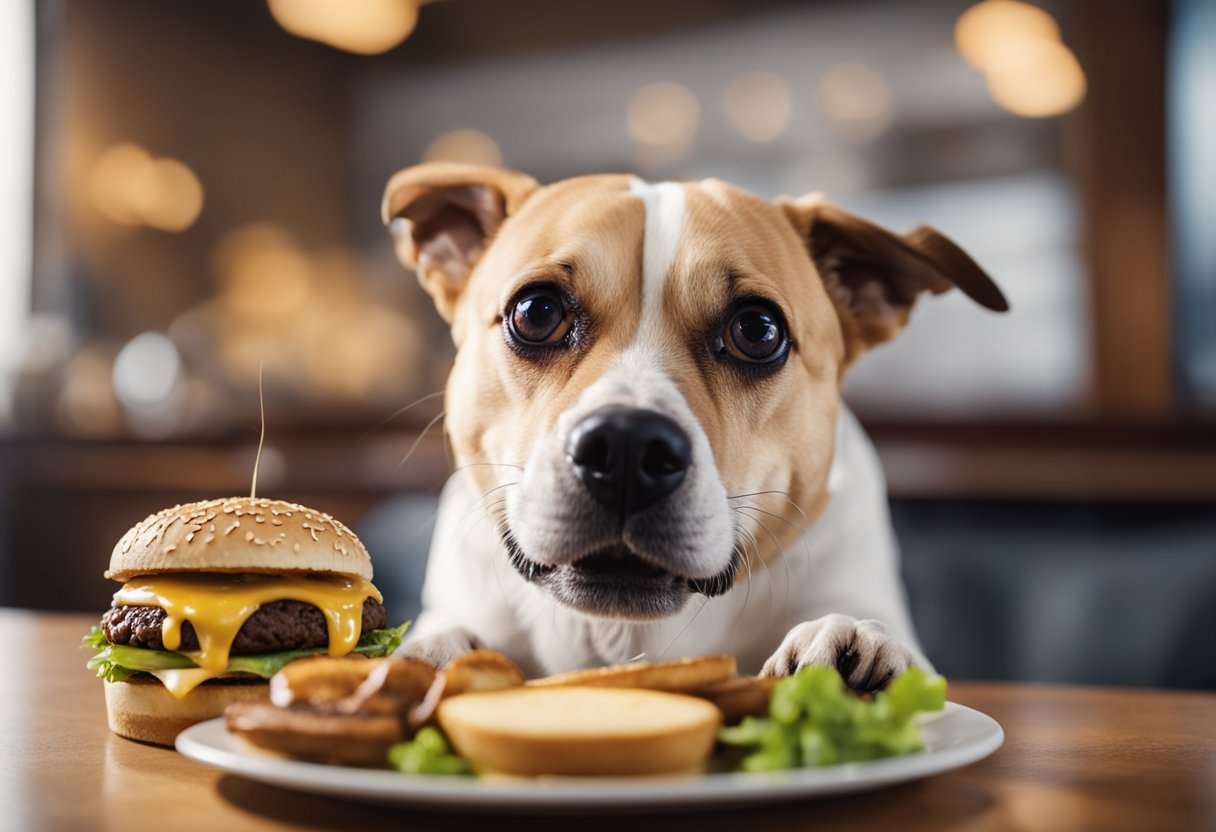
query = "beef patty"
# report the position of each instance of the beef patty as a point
(281, 625)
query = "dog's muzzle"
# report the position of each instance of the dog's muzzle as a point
(629, 458)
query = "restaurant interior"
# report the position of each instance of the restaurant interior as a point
(191, 248)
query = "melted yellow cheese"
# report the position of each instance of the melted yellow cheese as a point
(218, 605)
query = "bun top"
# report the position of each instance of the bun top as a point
(239, 534)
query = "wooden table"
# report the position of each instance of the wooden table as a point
(1074, 758)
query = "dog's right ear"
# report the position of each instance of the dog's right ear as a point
(443, 217)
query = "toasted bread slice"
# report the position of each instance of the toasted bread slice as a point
(581, 731)
(741, 696)
(683, 675)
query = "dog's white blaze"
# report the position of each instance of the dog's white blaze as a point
(664, 206)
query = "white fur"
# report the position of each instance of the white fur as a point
(664, 228)
(847, 563)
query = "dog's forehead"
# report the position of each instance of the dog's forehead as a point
(672, 249)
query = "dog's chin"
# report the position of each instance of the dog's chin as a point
(613, 582)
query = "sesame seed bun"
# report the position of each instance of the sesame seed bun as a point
(239, 534)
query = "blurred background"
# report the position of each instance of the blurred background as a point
(189, 190)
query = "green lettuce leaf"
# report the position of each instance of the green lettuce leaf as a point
(116, 662)
(815, 721)
(427, 753)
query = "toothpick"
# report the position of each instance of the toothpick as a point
(257, 460)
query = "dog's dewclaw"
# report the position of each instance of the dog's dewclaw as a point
(323, 680)
(744, 696)
(683, 675)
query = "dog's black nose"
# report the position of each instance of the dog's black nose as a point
(628, 457)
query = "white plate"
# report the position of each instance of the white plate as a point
(956, 737)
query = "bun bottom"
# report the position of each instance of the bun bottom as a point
(142, 709)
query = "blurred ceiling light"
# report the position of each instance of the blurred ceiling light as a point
(1039, 79)
(86, 404)
(262, 273)
(758, 105)
(365, 27)
(146, 371)
(987, 30)
(1030, 72)
(664, 114)
(471, 147)
(857, 101)
(130, 187)
(110, 182)
(167, 195)
(363, 352)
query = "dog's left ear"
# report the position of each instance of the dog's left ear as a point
(875, 276)
(443, 217)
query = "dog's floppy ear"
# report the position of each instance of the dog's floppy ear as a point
(875, 276)
(443, 216)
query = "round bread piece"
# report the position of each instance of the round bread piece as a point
(142, 709)
(239, 534)
(682, 675)
(581, 731)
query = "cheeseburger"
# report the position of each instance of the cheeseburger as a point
(217, 597)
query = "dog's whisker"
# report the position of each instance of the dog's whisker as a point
(399, 412)
(760, 557)
(474, 505)
(784, 495)
(421, 436)
(498, 531)
(787, 521)
(747, 597)
(478, 464)
(462, 529)
(683, 630)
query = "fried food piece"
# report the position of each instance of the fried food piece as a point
(581, 731)
(348, 711)
(683, 675)
(480, 670)
(393, 686)
(322, 680)
(741, 696)
(309, 734)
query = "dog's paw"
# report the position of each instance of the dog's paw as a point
(864, 653)
(438, 648)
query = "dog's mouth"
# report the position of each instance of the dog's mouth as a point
(616, 582)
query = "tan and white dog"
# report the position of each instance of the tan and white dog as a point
(645, 403)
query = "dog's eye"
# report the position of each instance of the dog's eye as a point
(754, 334)
(538, 316)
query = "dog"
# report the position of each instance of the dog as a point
(652, 456)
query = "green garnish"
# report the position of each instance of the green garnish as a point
(116, 662)
(815, 721)
(427, 753)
